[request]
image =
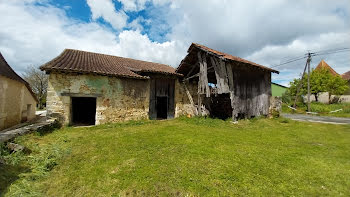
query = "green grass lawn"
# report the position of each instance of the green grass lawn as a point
(183, 157)
(322, 109)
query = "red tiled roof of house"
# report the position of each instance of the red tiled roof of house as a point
(229, 57)
(8, 72)
(346, 75)
(324, 65)
(76, 61)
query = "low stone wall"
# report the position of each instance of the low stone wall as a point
(183, 106)
(323, 98)
(275, 108)
(41, 127)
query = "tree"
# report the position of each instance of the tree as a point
(318, 82)
(321, 80)
(37, 80)
(336, 86)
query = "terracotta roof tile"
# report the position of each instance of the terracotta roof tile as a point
(77, 61)
(346, 75)
(324, 65)
(229, 57)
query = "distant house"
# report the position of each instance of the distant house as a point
(323, 97)
(17, 101)
(324, 65)
(346, 76)
(277, 89)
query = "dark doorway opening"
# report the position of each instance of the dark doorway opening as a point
(219, 106)
(162, 107)
(83, 110)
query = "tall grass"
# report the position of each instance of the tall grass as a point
(25, 169)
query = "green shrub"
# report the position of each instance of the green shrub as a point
(286, 97)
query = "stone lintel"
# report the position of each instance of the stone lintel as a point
(79, 94)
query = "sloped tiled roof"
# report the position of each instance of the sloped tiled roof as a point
(346, 75)
(8, 72)
(77, 61)
(324, 65)
(226, 56)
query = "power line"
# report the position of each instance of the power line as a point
(290, 61)
(327, 52)
(331, 50)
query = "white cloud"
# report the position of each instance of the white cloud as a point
(32, 35)
(277, 54)
(135, 45)
(267, 32)
(105, 9)
(133, 5)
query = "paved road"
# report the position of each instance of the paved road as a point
(321, 119)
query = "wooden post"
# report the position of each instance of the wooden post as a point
(308, 83)
(199, 105)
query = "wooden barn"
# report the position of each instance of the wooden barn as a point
(228, 86)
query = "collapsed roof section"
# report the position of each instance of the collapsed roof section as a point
(191, 59)
(76, 61)
(244, 84)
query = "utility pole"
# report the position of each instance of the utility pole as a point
(308, 81)
(307, 65)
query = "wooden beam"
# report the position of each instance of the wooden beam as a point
(193, 76)
(192, 69)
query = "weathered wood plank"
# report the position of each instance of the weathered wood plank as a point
(221, 75)
(203, 86)
(230, 77)
(152, 102)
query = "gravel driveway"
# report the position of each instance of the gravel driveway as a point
(321, 119)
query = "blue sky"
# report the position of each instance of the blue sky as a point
(267, 32)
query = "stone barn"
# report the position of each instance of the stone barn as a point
(225, 86)
(86, 88)
(17, 100)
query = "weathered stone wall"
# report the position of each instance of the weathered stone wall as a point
(118, 99)
(275, 108)
(15, 98)
(324, 98)
(182, 102)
